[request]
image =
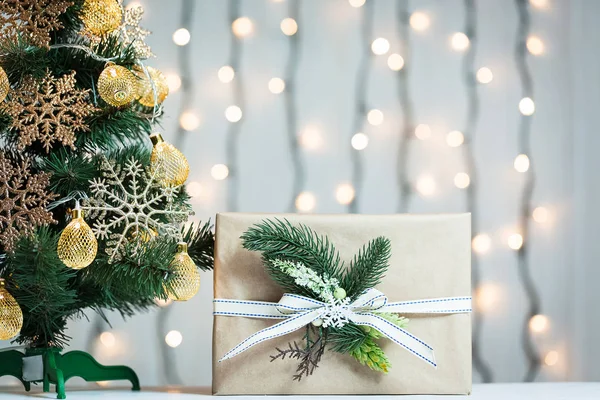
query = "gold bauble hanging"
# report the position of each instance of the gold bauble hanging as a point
(101, 17)
(146, 91)
(11, 316)
(186, 282)
(117, 85)
(169, 165)
(4, 84)
(77, 245)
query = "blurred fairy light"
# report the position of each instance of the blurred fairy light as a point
(551, 358)
(311, 138)
(306, 202)
(459, 41)
(133, 4)
(484, 75)
(242, 27)
(357, 3)
(462, 180)
(189, 121)
(108, 339)
(481, 243)
(219, 172)
(426, 185)
(226, 74)
(289, 26)
(344, 194)
(181, 37)
(535, 45)
(194, 189)
(455, 138)
(395, 62)
(521, 163)
(380, 46)
(276, 85)
(540, 215)
(515, 241)
(375, 117)
(233, 114)
(174, 82)
(539, 323)
(527, 106)
(487, 296)
(423, 132)
(360, 141)
(419, 21)
(540, 4)
(173, 339)
(163, 303)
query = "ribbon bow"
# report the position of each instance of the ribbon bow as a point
(298, 311)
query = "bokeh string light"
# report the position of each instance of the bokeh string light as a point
(468, 179)
(291, 106)
(520, 241)
(360, 106)
(241, 27)
(418, 21)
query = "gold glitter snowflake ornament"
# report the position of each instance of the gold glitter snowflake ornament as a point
(127, 203)
(23, 200)
(48, 111)
(132, 33)
(31, 20)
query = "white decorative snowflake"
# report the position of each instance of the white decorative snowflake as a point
(336, 313)
(128, 204)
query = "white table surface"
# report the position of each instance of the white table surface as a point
(501, 391)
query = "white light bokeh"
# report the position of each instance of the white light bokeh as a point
(423, 132)
(526, 106)
(276, 85)
(181, 37)
(311, 138)
(194, 189)
(380, 46)
(419, 21)
(535, 45)
(226, 74)
(356, 3)
(174, 339)
(484, 75)
(189, 121)
(306, 202)
(481, 243)
(462, 180)
(289, 26)
(360, 141)
(173, 82)
(344, 193)
(108, 339)
(551, 358)
(455, 138)
(233, 113)
(515, 241)
(375, 117)
(540, 215)
(539, 323)
(426, 185)
(219, 172)
(459, 41)
(521, 163)
(395, 62)
(242, 27)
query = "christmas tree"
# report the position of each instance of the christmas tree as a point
(92, 203)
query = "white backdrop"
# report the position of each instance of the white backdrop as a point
(564, 253)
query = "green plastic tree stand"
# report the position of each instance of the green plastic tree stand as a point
(59, 368)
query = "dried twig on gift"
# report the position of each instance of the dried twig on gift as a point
(309, 357)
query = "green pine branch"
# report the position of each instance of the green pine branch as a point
(368, 267)
(279, 239)
(201, 244)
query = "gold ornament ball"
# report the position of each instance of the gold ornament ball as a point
(11, 316)
(101, 17)
(4, 84)
(186, 282)
(169, 165)
(146, 92)
(117, 85)
(77, 245)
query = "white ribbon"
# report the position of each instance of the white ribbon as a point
(298, 311)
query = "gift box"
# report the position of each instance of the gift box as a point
(430, 259)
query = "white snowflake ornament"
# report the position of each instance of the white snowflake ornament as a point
(336, 313)
(128, 203)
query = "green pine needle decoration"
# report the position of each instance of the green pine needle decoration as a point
(368, 267)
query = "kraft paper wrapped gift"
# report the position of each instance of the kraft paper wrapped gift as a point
(431, 258)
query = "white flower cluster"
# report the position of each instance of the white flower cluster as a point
(308, 278)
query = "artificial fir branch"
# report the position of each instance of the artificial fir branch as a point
(201, 244)
(309, 356)
(368, 267)
(279, 239)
